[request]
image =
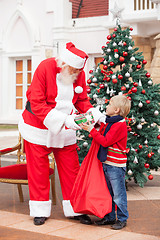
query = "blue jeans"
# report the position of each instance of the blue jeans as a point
(115, 178)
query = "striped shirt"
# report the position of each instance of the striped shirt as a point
(115, 140)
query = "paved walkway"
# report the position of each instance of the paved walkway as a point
(15, 222)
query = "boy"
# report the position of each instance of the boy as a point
(112, 138)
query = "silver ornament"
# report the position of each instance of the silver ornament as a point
(146, 141)
(85, 144)
(116, 55)
(140, 104)
(130, 48)
(150, 82)
(114, 44)
(130, 172)
(105, 62)
(94, 79)
(142, 120)
(113, 76)
(140, 83)
(135, 160)
(127, 74)
(156, 112)
(94, 96)
(139, 126)
(132, 59)
(108, 50)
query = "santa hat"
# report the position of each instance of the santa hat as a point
(73, 57)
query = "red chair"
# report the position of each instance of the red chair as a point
(17, 173)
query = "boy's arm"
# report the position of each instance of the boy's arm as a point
(117, 132)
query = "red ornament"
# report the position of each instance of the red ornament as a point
(105, 67)
(110, 72)
(134, 89)
(146, 165)
(124, 44)
(91, 71)
(114, 81)
(150, 177)
(108, 79)
(120, 77)
(148, 74)
(125, 54)
(107, 42)
(135, 84)
(147, 101)
(158, 137)
(144, 62)
(129, 98)
(149, 155)
(89, 81)
(131, 29)
(90, 136)
(143, 91)
(138, 66)
(115, 29)
(115, 50)
(129, 129)
(103, 47)
(140, 146)
(78, 149)
(127, 150)
(136, 150)
(88, 89)
(121, 59)
(113, 35)
(123, 88)
(101, 85)
(98, 90)
(109, 37)
(111, 64)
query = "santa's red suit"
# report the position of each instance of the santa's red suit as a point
(44, 131)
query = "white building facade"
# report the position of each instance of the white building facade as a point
(32, 30)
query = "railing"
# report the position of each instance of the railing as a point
(143, 5)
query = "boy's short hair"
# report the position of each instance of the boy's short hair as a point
(123, 103)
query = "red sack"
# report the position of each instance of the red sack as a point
(90, 194)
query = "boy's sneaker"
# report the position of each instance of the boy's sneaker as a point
(119, 225)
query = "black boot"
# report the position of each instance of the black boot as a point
(85, 219)
(39, 220)
(103, 221)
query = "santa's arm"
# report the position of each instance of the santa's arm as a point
(52, 118)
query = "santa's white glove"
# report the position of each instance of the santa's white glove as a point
(102, 119)
(70, 123)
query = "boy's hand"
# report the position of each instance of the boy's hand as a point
(86, 127)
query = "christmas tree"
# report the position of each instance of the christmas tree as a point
(122, 71)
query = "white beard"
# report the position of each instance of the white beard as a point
(68, 78)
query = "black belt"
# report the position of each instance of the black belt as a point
(28, 107)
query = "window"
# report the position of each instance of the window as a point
(23, 81)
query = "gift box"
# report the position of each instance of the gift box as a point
(85, 118)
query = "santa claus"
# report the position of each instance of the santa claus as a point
(47, 125)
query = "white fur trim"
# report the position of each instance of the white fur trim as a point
(45, 137)
(78, 89)
(54, 121)
(32, 134)
(68, 210)
(72, 59)
(96, 113)
(40, 208)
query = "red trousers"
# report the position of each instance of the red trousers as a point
(38, 169)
